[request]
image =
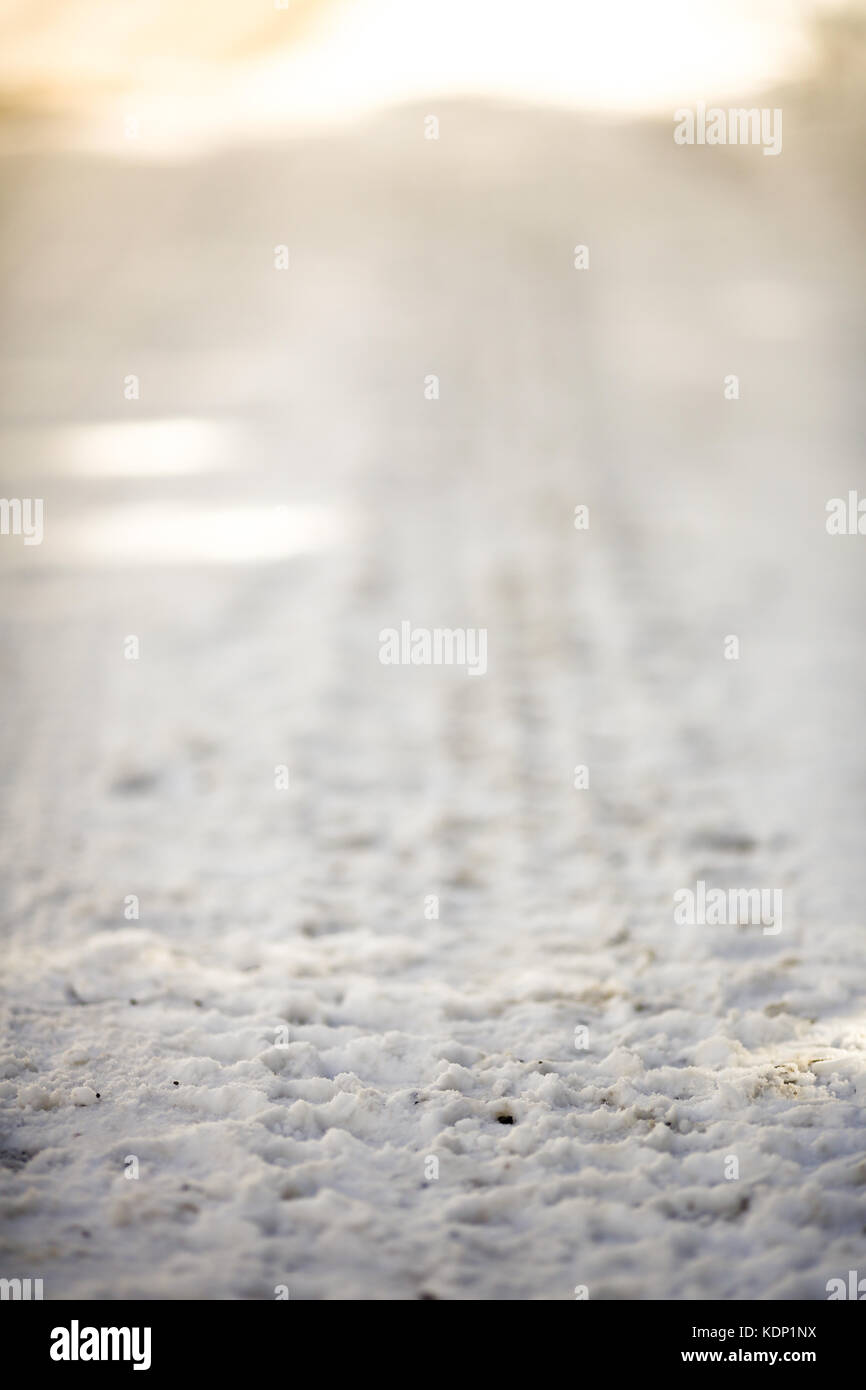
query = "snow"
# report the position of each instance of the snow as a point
(244, 1086)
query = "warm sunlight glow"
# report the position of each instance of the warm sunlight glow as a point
(202, 75)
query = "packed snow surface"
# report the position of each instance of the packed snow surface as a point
(287, 1070)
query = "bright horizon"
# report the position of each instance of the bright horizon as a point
(202, 75)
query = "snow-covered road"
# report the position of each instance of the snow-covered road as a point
(286, 1071)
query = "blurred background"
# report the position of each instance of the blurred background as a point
(239, 467)
(154, 158)
(325, 60)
